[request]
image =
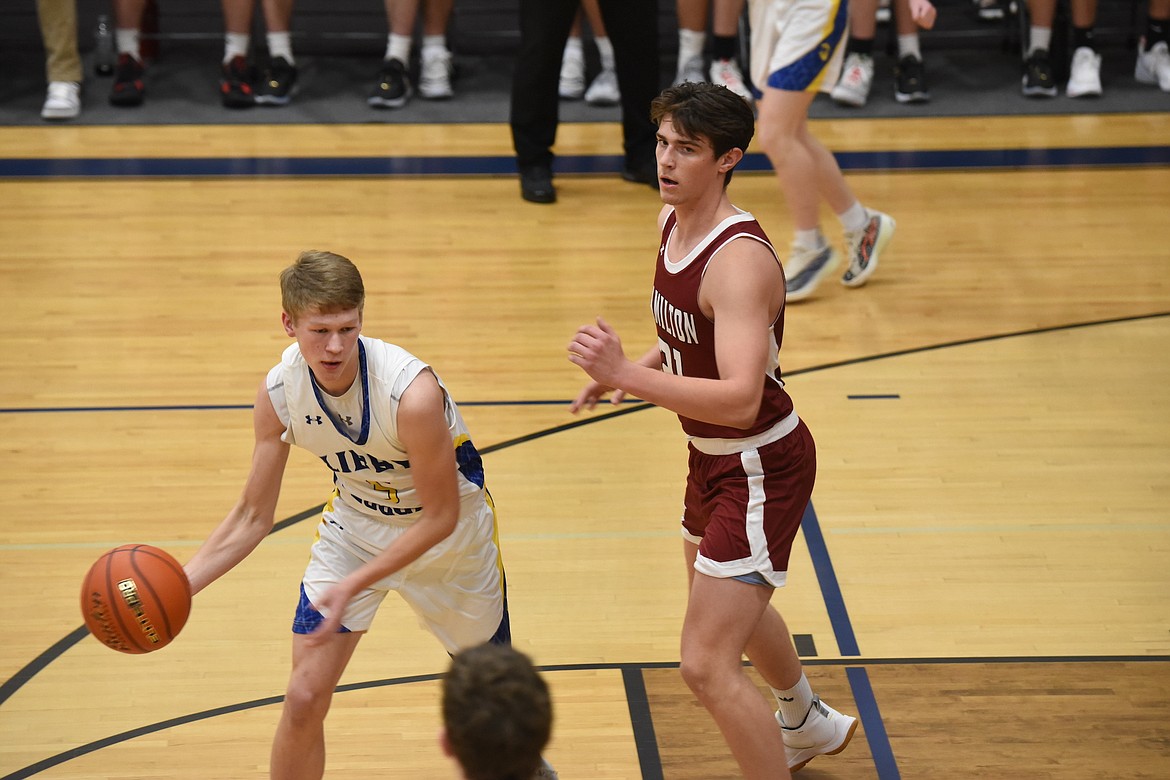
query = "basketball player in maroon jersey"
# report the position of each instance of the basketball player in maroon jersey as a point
(718, 303)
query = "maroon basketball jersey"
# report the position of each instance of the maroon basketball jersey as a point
(687, 338)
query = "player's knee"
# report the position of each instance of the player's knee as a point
(306, 703)
(698, 676)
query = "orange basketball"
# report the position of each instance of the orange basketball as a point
(135, 598)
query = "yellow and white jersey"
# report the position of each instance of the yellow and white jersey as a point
(356, 435)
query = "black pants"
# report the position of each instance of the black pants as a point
(632, 26)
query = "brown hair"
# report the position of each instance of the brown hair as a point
(496, 712)
(709, 111)
(321, 281)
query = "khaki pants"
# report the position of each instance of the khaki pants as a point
(59, 33)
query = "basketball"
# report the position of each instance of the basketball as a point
(135, 598)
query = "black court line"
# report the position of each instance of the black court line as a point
(631, 675)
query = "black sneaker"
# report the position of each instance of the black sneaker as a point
(910, 81)
(235, 85)
(129, 88)
(536, 184)
(278, 84)
(393, 87)
(1038, 80)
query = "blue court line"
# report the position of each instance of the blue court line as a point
(871, 721)
(498, 165)
(867, 708)
(830, 588)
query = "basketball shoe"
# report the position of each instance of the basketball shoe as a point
(392, 89)
(1153, 65)
(727, 73)
(434, 77)
(856, 80)
(825, 732)
(865, 247)
(1085, 76)
(806, 268)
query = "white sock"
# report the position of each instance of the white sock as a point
(605, 51)
(854, 217)
(434, 42)
(795, 702)
(127, 40)
(280, 45)
(690, 45)
(810, 239)
(1039, 38)
(398, 48)
(573, 48)
(908, 44)
(235, 45)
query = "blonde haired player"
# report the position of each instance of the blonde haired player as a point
(409, 510)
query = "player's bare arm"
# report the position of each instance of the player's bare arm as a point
(253, 515)
(422, 428)
(742, 292)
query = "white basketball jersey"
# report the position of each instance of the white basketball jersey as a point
(371, 469)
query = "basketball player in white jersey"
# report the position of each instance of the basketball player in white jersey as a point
(796, 52)
(408, 513)
(718, 304)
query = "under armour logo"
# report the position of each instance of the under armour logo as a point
(311, 420)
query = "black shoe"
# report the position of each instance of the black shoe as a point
(278, 84)
(536, 184)
(910, 81)
(1038, 80)
(235, 85)
(393, 87)
(642, 176)
(129, 88)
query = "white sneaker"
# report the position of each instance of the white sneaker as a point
(865, 247)
(1084, 78)
(434, 73)
(825, 732)
(691, 70)
(604, 90)
(572, 84)
(806, 268)
(727, 73)
(1153, 66)
(856, 80)
(62, 101)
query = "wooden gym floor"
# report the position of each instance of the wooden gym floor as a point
(984, 571)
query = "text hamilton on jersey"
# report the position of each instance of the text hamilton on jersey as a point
(675, 321)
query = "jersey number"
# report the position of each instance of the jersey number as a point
(671, 359)
(391, 493)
